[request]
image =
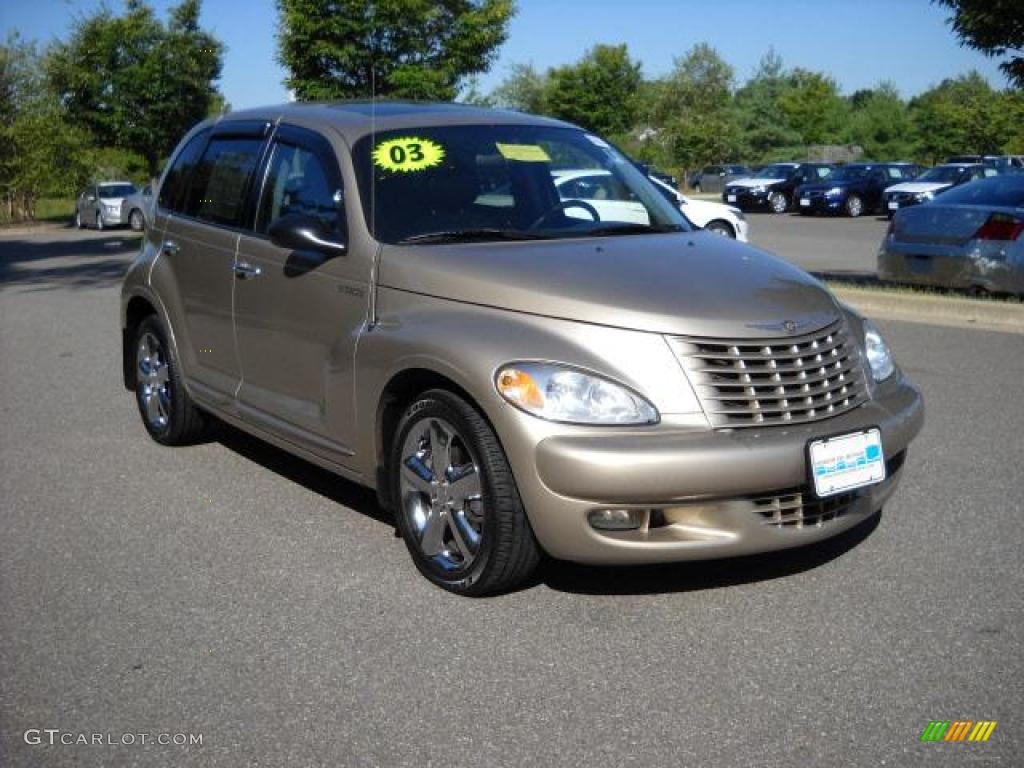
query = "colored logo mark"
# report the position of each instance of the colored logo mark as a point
(958, 730)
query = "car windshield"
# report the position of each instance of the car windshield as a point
(116, 190)
(776, 171)
(997, 191)
(849, 172)
(503, 182)
(943, 173)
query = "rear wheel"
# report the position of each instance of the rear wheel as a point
(854, 206)
(168, 413)
(777, 202)
(458, 508)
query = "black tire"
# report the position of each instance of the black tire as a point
(78, 219)
(778, 202)
(136, 220)
(854, 206)
(99, 222)
(508, 552)
(185, 422)
(719, 227)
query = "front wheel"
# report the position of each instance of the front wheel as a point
(721, 228)
(778, 202)
(99, 221)
(457, 506)
(854, 206)
(79, 224)
(135, 221)
(168, 413)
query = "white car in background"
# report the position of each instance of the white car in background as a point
(714, 217)
(614, 202)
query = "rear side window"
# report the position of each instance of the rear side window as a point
(298, 182)
(172, 191)
(221, 180)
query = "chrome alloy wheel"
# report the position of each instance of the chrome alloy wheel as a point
(153, 379)
(441, 494)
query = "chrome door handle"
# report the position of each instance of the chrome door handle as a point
(245, 271)
(169, 247)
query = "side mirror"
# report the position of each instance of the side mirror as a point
(302, 232)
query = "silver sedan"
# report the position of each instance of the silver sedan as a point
(102, 205)
(968, 238)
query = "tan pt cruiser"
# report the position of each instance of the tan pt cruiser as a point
(403, 294)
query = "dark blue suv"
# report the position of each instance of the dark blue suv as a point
(852, 189)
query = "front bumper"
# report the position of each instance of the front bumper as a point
(707, 489)
(745, 198)
(115, 218)
(817, 202)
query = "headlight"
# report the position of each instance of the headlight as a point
(759, 190)
(834, 191)
(878, 354)
(924, 196)
(559, 393)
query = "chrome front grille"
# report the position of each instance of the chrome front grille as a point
(801, 509)
(763, 382)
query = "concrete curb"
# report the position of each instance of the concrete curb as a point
(32, 229)
(951, 312)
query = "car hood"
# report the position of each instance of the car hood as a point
(700, 212)
(695, 283)
(754, 182)
(114, 201)
(918, 186)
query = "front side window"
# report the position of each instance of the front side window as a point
(501, 182)
(298, 182)
(221, 178)
(175, 183)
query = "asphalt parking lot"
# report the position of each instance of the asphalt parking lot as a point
(232, 591)
(834, 245)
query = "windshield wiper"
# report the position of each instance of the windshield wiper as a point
(634, 229)
(469, 235)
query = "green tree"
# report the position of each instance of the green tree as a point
(41, 153)
(413, 49)
(994, 27)
(694, 108)
(525, 89)
(598, 92)
(135, 82)
(812, 107)
(961, 115)
(763, 124)
(880, 123)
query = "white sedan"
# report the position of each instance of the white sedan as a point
(613, 201)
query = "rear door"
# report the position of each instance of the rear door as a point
(298, 314)
(200, 240)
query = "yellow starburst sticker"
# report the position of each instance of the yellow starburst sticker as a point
(407, 154)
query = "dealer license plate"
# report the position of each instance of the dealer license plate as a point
(846, 462)
(805, 201)
(730, 198)
(894, 206)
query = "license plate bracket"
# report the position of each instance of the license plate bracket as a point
(845, 462)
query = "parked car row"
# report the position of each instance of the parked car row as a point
(852, 189)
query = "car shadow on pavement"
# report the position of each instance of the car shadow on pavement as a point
(320, 481)
(709, 574)
(41, 264)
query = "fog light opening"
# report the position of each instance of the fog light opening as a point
(618, 519)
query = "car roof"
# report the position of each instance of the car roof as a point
(113, 183)
(355, 119)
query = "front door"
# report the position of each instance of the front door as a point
(298, 314)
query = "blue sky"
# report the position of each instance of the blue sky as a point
(859, 42)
